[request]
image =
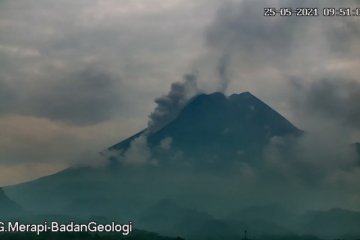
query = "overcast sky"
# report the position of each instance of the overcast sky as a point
(78, 76)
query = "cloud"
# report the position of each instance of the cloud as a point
(338, 99)
(82, 97)
(317, 165)
(85, 97)
(241, 29)
(138, 153)
(166, 143)
(57, 45)
(6, 95)
(263, 54)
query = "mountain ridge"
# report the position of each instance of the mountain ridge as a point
(9, 208)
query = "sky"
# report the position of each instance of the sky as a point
(79, 76)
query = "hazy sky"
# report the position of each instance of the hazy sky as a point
(78, 76)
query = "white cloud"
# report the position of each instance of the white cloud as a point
(166, 143)
(138, 152)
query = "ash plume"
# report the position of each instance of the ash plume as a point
(167, 109)
(223, 69)
(169, 106)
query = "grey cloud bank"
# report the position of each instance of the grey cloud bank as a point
(332, 98)
(81, 98)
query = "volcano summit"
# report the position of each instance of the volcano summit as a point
(212, 129)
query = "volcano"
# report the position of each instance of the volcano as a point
(213, 129)
(211, 133)
(205, 139)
